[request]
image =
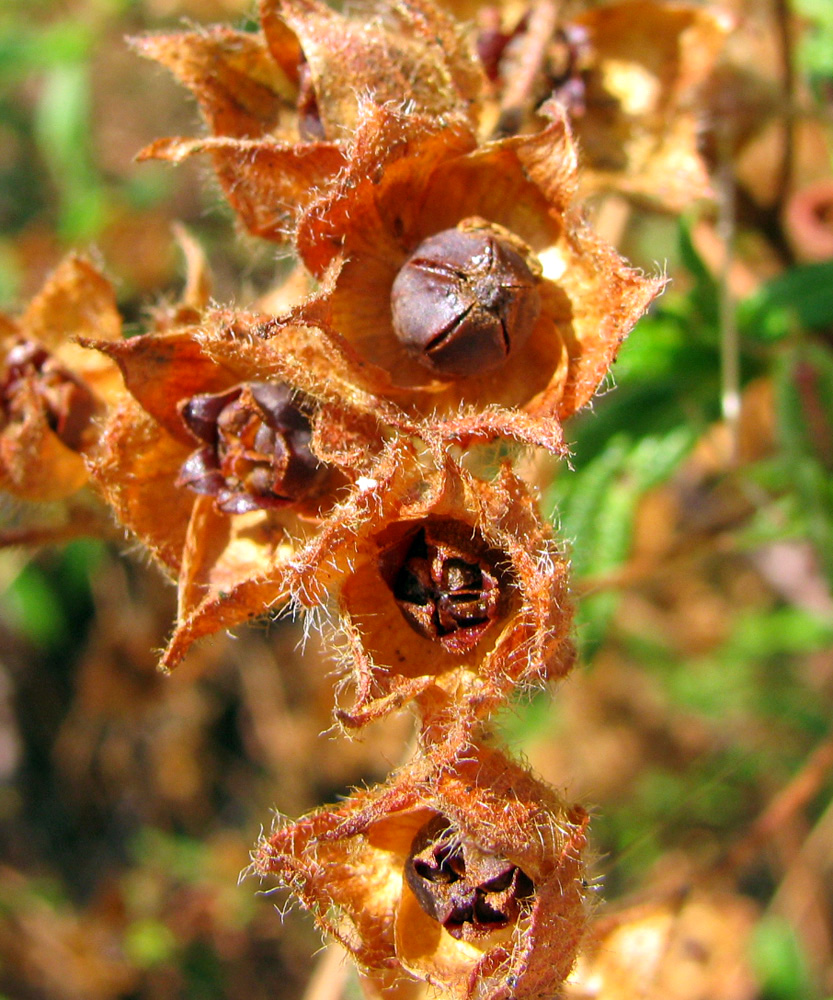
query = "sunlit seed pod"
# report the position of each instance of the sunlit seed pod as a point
(445, 583)
(461, 872)
(466, 889)
(463, 301)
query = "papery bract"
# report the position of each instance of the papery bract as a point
(277, 105)
(629, 75)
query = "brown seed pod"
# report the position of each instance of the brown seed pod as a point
(67, 403)
(51, 388)
(464, 300)
(256, 453)
(469, 891)
(444, 588)
(446, 583)
(465, 874)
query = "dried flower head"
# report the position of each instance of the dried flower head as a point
(466, 876)
(281, 103)
(449, 589)
(229, 453)
(461, 276)
(648, 62)
(629, 75)
(51, 389)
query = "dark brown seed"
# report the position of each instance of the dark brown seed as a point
(463, 301)
(445, 592)
(256, 448)
(470, 892)
(67, 402)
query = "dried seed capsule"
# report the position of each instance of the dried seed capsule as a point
(464, 300)
(68, 403)
(444, 591)
(257, 448)
(470, 892)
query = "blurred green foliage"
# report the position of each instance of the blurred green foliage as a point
(778, 958)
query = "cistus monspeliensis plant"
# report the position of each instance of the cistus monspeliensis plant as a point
(330, 458)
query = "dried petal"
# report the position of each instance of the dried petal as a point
(240, 88)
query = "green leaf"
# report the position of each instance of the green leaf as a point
(25, 51)
(705, 292)
(597, 508)
(62, 129)
(149, 942)
(36, 610)
(804, 406)
(778, 959)
(800, 297)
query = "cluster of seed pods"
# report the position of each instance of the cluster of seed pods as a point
(457, 302)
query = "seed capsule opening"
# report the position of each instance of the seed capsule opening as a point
(469, 891)
(67, 402)
(464, 301)
(256, 448)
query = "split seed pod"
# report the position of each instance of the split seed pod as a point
(228, 454)
(465, 876)
(51, 389)
(448, 589)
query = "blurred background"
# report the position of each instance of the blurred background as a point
(698, 509)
